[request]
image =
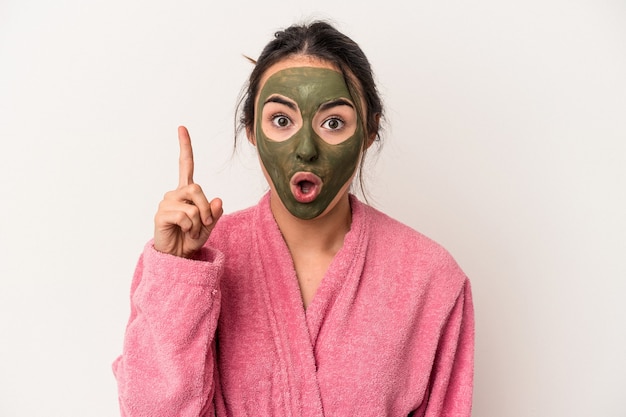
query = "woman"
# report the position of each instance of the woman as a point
(310, 303)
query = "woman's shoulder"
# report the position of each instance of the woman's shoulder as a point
(236, 219)
(399, 243)
(238, 227)
(235, 225)
(392, 231)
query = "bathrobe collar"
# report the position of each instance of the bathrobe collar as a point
(298, 332)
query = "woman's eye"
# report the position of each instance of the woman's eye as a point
(333, 124)
(281, 121)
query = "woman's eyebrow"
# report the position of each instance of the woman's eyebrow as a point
(280, 100)
(335, 103)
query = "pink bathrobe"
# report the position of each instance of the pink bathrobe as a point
(388, 333)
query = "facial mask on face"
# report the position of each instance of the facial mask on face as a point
(307, 152)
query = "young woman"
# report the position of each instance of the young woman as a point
(310, 303)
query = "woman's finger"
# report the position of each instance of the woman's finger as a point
(185, 160)
(166, 218)
(192, 194)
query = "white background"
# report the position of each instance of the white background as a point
(505, 142)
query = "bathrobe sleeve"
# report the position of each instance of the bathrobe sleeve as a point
(453, 371)
(167, 367)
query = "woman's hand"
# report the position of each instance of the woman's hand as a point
(185, 217)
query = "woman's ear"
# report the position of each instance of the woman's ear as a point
(250, 135)
(372, 136)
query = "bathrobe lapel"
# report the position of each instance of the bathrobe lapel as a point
(333, 299)
(296, 332)
(283, 305)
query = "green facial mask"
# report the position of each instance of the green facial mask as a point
(307, 171)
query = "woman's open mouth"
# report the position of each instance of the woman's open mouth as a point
(305, 186)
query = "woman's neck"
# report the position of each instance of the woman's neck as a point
(323, 234)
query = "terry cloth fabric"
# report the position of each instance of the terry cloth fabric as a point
(389, 332)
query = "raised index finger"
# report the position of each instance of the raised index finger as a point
(185, 161)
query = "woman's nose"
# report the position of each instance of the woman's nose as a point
(306, 151)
